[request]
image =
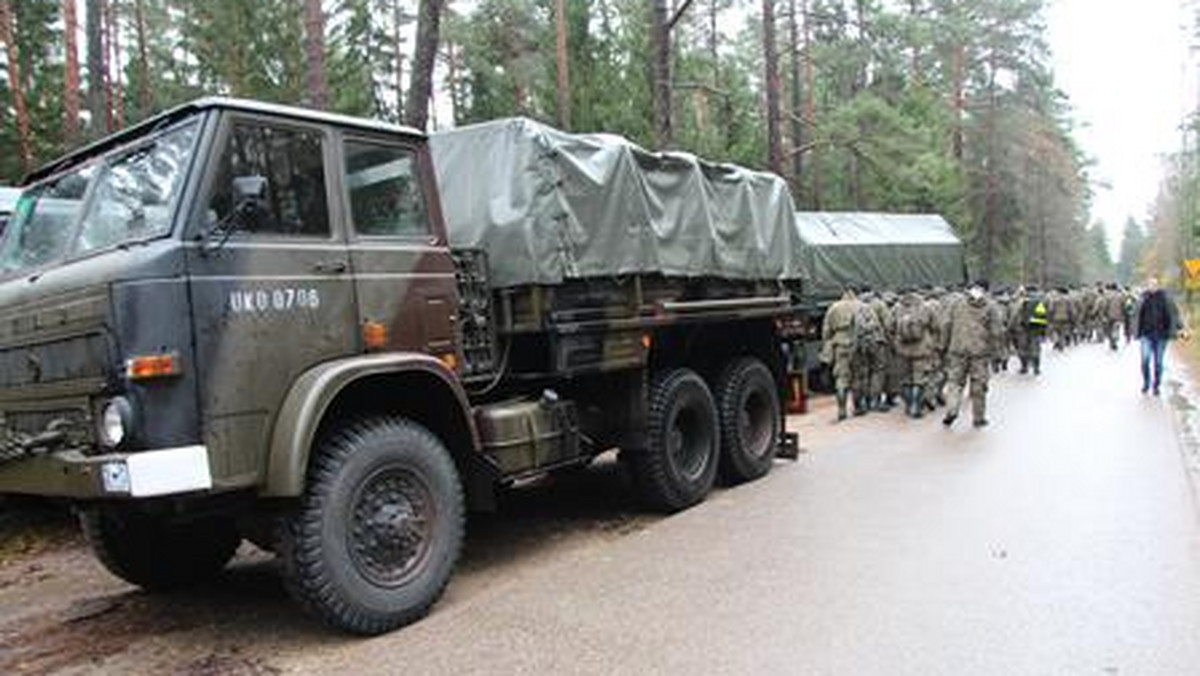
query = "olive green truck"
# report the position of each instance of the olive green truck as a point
(335, 337)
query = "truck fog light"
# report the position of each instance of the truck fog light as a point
(114, 424)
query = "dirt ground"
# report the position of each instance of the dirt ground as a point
(61, 612)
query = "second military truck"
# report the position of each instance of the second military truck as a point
(244, 321)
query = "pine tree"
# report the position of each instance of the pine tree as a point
(421, 88)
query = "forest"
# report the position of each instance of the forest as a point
(1172, 231)
(946, 106)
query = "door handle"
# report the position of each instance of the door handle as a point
(330, 267)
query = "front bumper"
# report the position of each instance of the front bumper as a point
(145, 474)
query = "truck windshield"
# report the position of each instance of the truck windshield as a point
(127, 197)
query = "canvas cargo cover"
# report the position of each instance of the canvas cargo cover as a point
(548, 206)
(882, 251)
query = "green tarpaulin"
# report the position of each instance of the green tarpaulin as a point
(548, 206)
(881, 251)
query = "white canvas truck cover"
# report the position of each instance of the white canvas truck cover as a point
(549, 206)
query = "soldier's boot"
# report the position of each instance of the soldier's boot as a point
(951, 416)
(1024, 366)
(841, 405)
(860, 405)
(918, 401)
(882, 404)
(1037, 367)
(978, 412)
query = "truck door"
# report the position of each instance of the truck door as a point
(272, 294)
(404, 276)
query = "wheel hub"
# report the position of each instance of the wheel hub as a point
(392, 524)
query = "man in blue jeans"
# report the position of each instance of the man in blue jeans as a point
(1157, 323)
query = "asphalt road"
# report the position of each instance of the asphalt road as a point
(1062, 539)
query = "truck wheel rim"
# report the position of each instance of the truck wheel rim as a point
(756, 424)
(689, 442)
(392, 530)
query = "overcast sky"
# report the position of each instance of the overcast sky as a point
(1122, 64)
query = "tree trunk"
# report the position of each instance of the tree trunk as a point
(564, 87)
(712, 44)
(398, 22)
(314, 54)
(914, 11)
(97, 109)
(771, 63)
(420, 88)
(71, 74)
(856, 87)
(797, 98)
(106, 69)
(958, 100)
(990, 217)
(8, 34)
(145, 103)
(810, 112)
(452, 63)
(660, 74)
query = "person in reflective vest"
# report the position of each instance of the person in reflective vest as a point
(1027, 325)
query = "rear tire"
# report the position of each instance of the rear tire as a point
(379, 528)
(679, 465)
(749, 408)
(157, 554)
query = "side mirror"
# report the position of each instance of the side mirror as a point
(250, 194)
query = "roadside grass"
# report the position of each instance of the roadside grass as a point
(1187, 348)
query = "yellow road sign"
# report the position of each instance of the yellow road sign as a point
(1192, 267)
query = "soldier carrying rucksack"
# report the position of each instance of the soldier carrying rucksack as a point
(1027, 326)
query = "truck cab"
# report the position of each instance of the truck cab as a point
(164, 290)
(184, 305)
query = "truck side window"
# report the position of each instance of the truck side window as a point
(385, 193)
(292, 161)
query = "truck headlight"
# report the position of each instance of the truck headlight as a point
(115, 423)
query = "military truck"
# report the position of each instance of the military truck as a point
(8, 201)
(245, 321)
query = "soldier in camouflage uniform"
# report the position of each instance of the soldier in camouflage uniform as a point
(937, 303)
(974, 324)
(838, 336)
(870, 365)
(1027, 326)
(1060, 317)
(1002, 349)
(1131, 303)
(914, 343)
(893, 381)
(1113, 315)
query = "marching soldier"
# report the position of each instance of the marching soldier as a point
(1027, 325)
(914, 342)
(839, 337)
(974, 325)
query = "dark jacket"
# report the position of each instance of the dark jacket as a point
(1158, 318)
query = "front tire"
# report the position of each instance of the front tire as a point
(155, 553)
(379, 528)
(679, 465)
(748, 402)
